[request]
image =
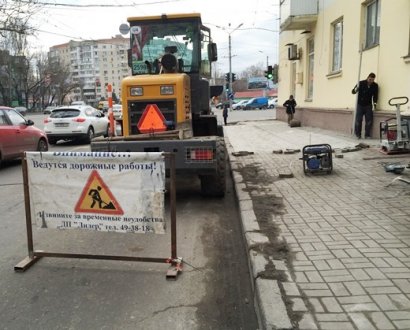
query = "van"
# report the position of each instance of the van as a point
(256, 103)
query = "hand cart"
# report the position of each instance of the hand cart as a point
(317, 158)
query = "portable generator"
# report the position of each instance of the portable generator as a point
(317, 158)
(395, 132)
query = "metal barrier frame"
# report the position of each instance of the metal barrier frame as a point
(36, 255)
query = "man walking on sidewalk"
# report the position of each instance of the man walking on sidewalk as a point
(290, 106)
(367, 99)
(225, 113)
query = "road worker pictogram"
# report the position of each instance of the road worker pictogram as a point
(96, 197)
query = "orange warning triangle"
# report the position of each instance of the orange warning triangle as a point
(97, 197)
(152, 120)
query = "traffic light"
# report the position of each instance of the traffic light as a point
(269, 72)
(227, 77)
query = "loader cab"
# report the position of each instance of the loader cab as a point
(183, 36)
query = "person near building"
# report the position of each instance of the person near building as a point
(225, 113)
(290, 106)
(368, 92)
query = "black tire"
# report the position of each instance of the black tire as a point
(90, 135)
(215, 185)
(42, 145)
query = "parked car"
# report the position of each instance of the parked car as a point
(272, 103)
(78, 103)
(256, 103)
(17, 134)
(117, 111)
(222, 104)
(49, 109)
(22, 110)
(239, 105)
(75, 122)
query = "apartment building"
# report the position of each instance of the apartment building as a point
(93, 65)
(326, 46)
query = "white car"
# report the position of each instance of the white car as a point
(272, 103)
(75, 122)
(239, 105)
(117, 111)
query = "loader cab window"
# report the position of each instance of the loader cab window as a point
(150, 41)
(205, 61)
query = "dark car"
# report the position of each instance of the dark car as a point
(17, 134)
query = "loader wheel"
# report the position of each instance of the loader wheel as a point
(215, 185)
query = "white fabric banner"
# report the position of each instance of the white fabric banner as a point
(101, 191)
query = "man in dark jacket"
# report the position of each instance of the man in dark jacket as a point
(290, 106)
(367, 99)
(225, 113)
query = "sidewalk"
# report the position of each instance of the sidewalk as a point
(325, 251)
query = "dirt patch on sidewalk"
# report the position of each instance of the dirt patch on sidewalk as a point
(267, 206)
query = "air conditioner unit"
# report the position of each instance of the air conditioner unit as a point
(293, 52)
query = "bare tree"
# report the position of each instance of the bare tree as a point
(254, 71)
(15, 16)
(50, 82)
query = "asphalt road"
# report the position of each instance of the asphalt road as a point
(212, 292)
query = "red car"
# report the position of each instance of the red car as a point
(17, 134)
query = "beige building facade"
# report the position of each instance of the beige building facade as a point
(93, 65)
(326, 46)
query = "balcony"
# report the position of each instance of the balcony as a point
(298, 14)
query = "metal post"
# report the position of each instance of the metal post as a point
(357, 94)
(230, 62)
(230, 72)
(110, 112)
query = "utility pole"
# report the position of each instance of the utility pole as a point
(230, 63)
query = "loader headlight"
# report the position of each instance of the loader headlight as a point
(136, 91)
(167, 90)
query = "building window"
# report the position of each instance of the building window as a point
(311, 62)
(337, 46)
(372, 23)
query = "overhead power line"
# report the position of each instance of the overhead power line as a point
(56, 4)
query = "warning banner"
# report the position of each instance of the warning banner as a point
(101, 191)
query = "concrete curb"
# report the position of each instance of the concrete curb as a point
(270, 307)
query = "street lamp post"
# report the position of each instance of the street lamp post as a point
(230, 63)
(267, 64)
(267, 58)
